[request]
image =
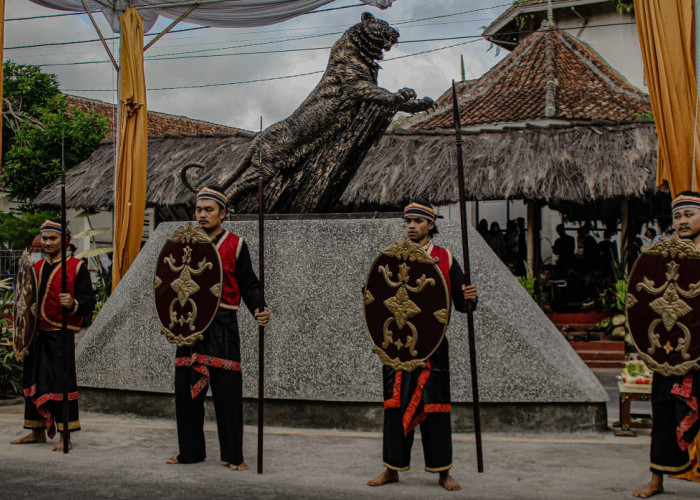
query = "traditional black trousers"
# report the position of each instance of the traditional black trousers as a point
(215, 361)
(429, 408)
(675, 421)
(43, 383)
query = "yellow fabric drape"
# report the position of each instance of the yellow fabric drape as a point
(694, 451)
(132, 159)
(2, 46)
(666, 38)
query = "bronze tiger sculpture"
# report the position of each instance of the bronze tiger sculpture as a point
(326, 138)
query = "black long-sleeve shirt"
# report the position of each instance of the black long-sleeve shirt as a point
(456, 282)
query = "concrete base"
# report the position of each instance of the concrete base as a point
(495, 417)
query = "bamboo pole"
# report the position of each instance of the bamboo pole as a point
(467, 281)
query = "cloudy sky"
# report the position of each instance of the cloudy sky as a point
(242, 104)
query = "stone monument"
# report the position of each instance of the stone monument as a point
(320, 370)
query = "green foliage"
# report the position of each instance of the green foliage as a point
(625, 6)
(522, 19)
(32, 135)
(528, 284)
(10, 368)
(18, 232)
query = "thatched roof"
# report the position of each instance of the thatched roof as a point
(578, 162)
(90, 184)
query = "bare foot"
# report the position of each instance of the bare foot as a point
(59, 445)
(386, 477)
(32, 437)
(172, 460)
(241, 466)
(448, 483)
(649, 490)
(655, 487)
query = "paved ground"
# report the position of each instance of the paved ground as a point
(122, 457)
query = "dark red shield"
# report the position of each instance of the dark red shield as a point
(25, 307)
(663, 306)
(407, 305)
(187, 285)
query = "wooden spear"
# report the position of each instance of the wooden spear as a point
(67, 344)
(261, 302)
(467, 280)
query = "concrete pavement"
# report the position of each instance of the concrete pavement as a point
(123, 457)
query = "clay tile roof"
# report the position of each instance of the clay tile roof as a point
(159, 124)
(583, 87)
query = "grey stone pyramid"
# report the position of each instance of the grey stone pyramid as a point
(317, 350)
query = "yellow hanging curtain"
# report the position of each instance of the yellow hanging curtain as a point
(132, 157)
(2, 75)
(666, 38)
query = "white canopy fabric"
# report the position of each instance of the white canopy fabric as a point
(215, 13)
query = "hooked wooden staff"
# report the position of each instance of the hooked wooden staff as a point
(261, 306)
(67, 339)
(467, 280)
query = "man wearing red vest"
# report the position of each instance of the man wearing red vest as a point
(216, 359)
(422, 397)
(45, 364)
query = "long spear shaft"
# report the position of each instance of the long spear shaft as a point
(467, 281)
(261, 302)
(64, 289)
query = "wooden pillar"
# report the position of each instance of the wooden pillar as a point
(534, 225)
(624, 226)
(474, 212)
(531, 234)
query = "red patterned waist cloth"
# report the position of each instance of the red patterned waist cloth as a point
(687, 428)
(40, 401)
(416, 410)
(200, 363)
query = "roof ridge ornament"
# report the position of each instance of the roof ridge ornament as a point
(550, 91)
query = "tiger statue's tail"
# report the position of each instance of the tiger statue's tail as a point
(240, 169)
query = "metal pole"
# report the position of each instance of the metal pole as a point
(261, 302)
(64, 289)
(467, 281)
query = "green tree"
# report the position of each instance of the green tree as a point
(19, 231)
(37, 117)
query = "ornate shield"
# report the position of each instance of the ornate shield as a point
(187, 285)
(663, 306)
(25, 307)
(407, 305)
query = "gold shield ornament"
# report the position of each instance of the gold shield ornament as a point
(663, 306)
(187, 285)
(406, 305)
(25, 317)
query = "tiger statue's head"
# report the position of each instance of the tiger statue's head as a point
(373, 36)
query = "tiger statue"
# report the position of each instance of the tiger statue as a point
(348, 86)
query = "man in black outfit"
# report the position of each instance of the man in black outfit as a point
(216, 359)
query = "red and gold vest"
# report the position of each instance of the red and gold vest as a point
(229, 248)
(444, 264)
(50, 307)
